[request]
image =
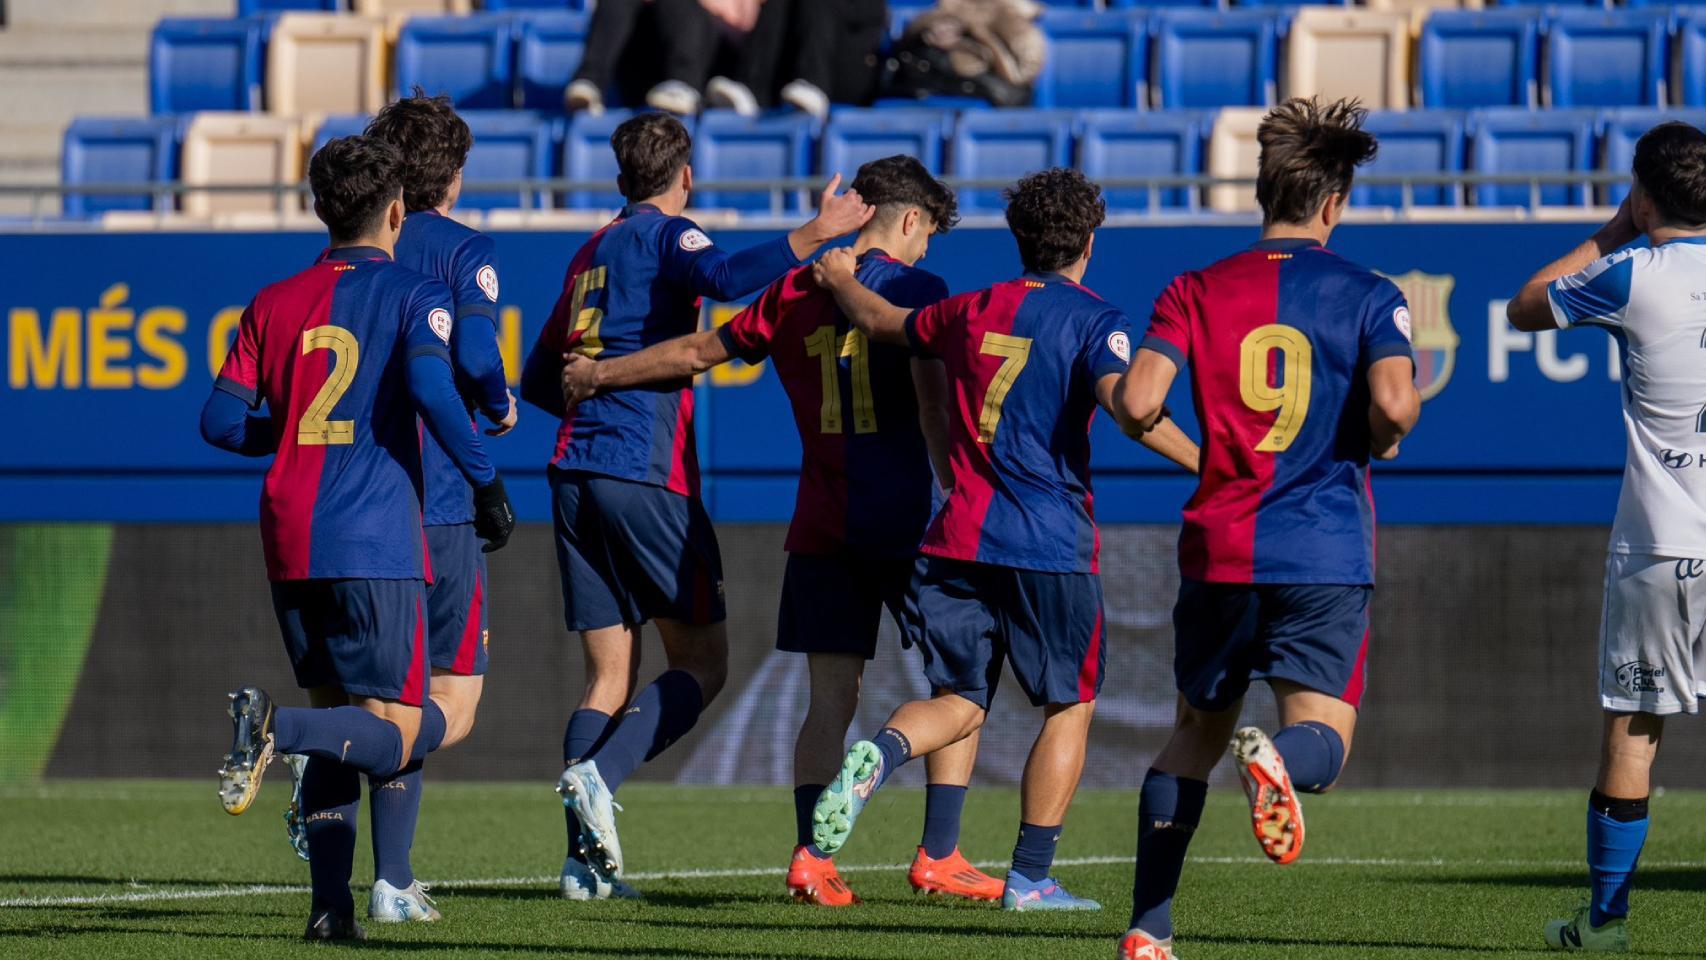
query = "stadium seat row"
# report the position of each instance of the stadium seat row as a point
(241, 148)
(902, 10)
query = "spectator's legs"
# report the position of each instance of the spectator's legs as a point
(607, 37)
(689, 39)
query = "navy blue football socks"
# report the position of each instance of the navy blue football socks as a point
(1168, 811)
(943, 804)
(805, 800)
(1617, 829)
(431, 735)
(394, 803)
(331, 799)
(369, 743)
(659, 716)
(586, 732)
(895, 749)
(1313, 753)
(1033, 854)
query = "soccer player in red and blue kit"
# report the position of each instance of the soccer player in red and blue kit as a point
(865, 497)
(633, 540)
(345, 355)
(1011, 558)
(1301, 372)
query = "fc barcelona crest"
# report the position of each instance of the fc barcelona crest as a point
(1431, 334)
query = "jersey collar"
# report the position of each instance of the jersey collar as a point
(354, 253)
(875, 253)
(633, 209)
(1286, 244)
(1044, 276)
(1691, 241)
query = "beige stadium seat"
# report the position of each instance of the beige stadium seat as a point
(1233, 152)
(1344, 52)
(385, 8)
(233, 148)
(326, 63)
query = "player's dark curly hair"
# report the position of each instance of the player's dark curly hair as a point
(1310, 150)
(1052, 214)
(434, 142)
(354, 179)
(893, 184)
(650, 150)
(1670, 165)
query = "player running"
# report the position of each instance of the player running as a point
(344, 355)
(1652, 650)
(1301, 371)
(1011, 558)
(866, 489)
(633, 540)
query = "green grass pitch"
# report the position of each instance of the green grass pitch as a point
(114, 870)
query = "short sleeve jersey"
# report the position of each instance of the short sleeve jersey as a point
(466, 260)
(327, 350)
(1278, 340)
(865, 478)
(1024, 358)
(1650, 301)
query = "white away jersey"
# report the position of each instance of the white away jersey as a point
(1653, 302)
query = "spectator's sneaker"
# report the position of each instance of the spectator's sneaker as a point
(251, 713)
(1275, 813)
(584, 792)
(839, 805)
(583, 96)
(1579, 933)
(581, 882)
(387, 904)
(673, 96)
(952, 876)
(731, 95)
(806, 98)
(295, 827)
(328, 926)
(1045, 894)
(1138, 945)
(815, 880)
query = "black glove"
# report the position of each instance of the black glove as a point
(494, 519)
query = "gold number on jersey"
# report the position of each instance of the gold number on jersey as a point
(587, 319)
(314, 429)
(1291, 397)
(823, 345)
(1013, 351)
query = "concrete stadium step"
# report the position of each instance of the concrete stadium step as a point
(108, 12)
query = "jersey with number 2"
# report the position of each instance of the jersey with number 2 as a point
(1278, 340)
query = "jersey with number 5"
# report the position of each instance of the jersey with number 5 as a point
(1278, 340)
(328, 351)
(1023, 358)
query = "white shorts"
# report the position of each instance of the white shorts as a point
(1652, 640)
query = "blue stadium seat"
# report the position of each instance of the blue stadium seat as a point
(1006, 144)
(250, 7)
(508, 145)
(469, 58)
(548, 50)
(1120, 143)
(587, 157)
(126, 150)
(1691, 57)
(1215, 58)
(731, 147)
(1607, 58)
(1416, 141)
(901, 14)
(1519, 140)
(1471, 58)
(196, 64)
(1621, 130)
(854, 137)
(576, 5)
(1146, 5)
(1094, 60)
(335, 126)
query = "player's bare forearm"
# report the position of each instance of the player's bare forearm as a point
(930, 382)
(1138, 398)
(1169, 441)
(879, 319)
(674, 359)
(1531, 309)
(1394, 405)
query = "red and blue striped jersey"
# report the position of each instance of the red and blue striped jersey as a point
(1278, 340)
(865, 478)
(1024, 358)
(328, 350)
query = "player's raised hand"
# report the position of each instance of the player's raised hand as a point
(835, 268)
(841, 214)
(580, 379)
(508, 422)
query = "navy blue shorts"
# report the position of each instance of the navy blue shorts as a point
(1049, 625)
(1229, 634)
(631, 552)
(366, 636)
(833, 603)
(457, 627)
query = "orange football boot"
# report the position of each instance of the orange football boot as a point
(815, 880)
(1275, 813)
(1138, 945)
(952, 876)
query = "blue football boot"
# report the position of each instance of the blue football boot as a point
(1045, 894)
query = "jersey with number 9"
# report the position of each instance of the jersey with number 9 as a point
(1278, 340)
(327, 351)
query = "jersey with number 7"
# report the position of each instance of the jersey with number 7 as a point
(1278, 340)
(1023, 358)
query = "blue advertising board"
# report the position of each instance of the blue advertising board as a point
(112, 341)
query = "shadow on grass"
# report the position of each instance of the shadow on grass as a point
(127, 882)
(1378, 945)
(1674, 879)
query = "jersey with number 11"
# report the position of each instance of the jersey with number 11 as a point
(1278, 340)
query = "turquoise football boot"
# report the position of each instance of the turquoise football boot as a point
(839, 805)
